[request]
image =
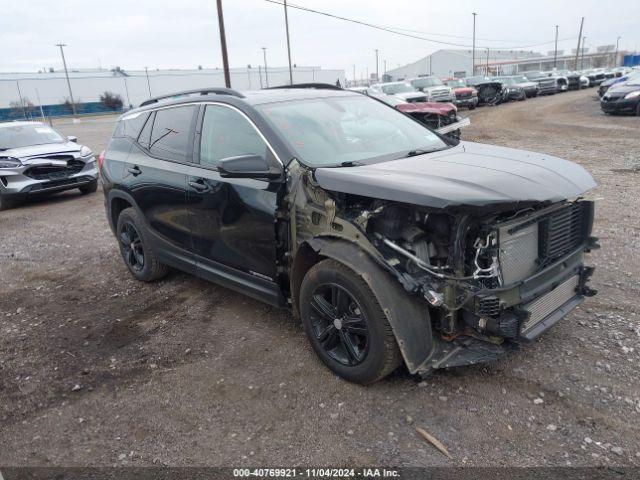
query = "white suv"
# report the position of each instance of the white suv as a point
(435, 90)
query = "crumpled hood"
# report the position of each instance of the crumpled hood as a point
(470, 174)
(71, 148)
(439, 108)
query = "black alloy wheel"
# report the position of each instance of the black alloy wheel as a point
(131, 247)
(339, 324)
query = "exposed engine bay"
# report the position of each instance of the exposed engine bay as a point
(489, 278)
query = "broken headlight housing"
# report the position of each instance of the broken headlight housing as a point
(9, 162)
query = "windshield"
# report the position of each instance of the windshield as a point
(394, 88)
(633, 79)
(457, 82)
(521, 79)
(16, 136)
(337, 130)
(505, 81)
(426, 82)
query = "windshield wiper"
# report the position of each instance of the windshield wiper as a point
(422, 151)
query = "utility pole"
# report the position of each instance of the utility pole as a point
(66, 73)
(584, 42)
(286, 24)
(473, 54)
(24, 110)
(260, 75)
(615, 56)
(223, 45)
(579, 38)
(555, 51)
(487, 72)
(146, 71)
(377, 72)
(384, 62)
(266, 75)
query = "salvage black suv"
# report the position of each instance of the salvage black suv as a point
(391, 243)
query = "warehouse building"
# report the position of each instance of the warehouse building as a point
(459, 63)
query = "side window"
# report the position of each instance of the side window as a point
(171, 134)
(226, 133)
(131, 125)
(145, 136)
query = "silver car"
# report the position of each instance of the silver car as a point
(35, 158)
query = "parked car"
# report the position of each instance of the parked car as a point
(433, 87)
(595, 76)
(623, 98)
(403, 90)
(510, 89)
(604, 86)
(489, 91)
(36, 159)
(531, 89)
(390, 243)
(548, 85)
(439, 117)
(463, 95)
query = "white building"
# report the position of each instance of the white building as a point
(50, 88)
(456, 63)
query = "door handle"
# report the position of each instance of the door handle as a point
(135, 170)
(199, 186)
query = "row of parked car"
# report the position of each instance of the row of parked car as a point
(621, 94)
(435, 101)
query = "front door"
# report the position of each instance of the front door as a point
(232, 220)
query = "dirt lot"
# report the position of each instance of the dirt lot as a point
(97, 369)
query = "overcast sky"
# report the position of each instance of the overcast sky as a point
(184, 33)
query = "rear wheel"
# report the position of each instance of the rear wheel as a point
(638, 110)
(136, 249)
(346, 325)
(89, 187)
(6, 202)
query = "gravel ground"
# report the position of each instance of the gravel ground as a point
(97, 369)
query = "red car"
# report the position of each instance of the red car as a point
(465, 96)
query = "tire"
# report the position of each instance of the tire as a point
(358, 322)
(638, 110)
(89, 187)
(135, 248)
(472, 107)
(6, 202)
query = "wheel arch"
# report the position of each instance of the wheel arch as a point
(408, 316)
(118, 201)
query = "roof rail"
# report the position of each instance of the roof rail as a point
(319, 86)
(200, 91)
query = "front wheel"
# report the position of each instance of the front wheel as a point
(6, 202)
(346, 325)
(89, 187)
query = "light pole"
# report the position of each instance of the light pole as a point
(146, 71)
(223, 46)
(384, 74)
(555, 51)
(615, 56)
(66, 73)
(473, 54)
(286, 24)
(266, 75)
(377, 72)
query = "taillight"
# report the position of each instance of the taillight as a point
(101, 159)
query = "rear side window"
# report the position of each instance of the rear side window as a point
(226, 133)
(145, 135)
(131, 126)
(171, 133)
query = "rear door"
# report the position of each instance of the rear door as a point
(232, 220)
(156, 177)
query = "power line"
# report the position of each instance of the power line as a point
(409, 35)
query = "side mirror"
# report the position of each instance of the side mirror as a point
(247, 166)
(73, 139)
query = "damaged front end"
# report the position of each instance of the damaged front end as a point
(460, 286)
